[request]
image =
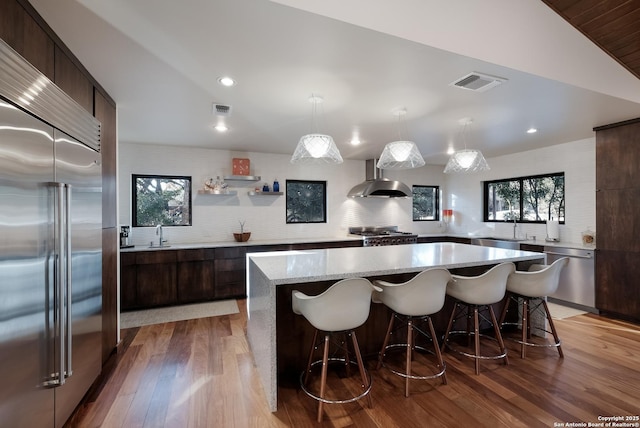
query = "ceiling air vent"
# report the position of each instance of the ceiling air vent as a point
(221, 109)
(478, 82)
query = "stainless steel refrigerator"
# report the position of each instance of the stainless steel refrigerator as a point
(50, 248)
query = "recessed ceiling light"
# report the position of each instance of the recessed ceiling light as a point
(221, 127)
(532, 131)
(355, 141)
(226, 81)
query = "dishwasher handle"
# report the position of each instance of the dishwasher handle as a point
(588, 256)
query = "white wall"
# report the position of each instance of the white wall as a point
(215, 218)
(576, 159)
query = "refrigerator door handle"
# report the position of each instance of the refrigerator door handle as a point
(67, 255)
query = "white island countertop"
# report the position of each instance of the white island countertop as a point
(265, 271)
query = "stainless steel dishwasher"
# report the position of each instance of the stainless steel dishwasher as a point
(577, 280)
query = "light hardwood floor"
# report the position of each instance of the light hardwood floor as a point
(200, 373)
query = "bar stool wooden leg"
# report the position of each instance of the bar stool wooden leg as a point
(409, 353)
(436, 350)
(313, 347)
(525, 326)
(446, 334)
(496, 328)
(385, 343)
(363, 374)
(476, 334)
(323, 379)
(553, 328)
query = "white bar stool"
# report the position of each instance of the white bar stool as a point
(340, 309)
(412, 303)
(532, 287)
(473, 294)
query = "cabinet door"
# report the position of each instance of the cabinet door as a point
(156, 278)
(106, 114)
(128, 286)
(21, 31)
(196, 276)
(617, 221)
(71, 79)
(617, 290)
(618, 157)
(230, 278)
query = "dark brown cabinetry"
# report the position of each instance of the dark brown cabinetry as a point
(455, 239)
(21, 31)
(156, 282)
(72, 80)
(170, 277)
(196, 275)
(618, 219)
(231, 272)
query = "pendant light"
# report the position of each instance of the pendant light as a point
(315, 148)
(467, 160)
(401, 154)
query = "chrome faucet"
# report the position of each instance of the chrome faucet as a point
(159, 232)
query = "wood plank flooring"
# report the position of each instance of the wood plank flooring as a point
(200, 373)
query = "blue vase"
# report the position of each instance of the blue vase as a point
(276, 185)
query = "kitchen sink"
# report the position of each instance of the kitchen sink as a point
(508, 243)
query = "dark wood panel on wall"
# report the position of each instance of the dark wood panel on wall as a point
(105, 112)
(26, 37)
(110, 241)
(128, 280)
(618, 156)
(617, 291)
(72, 80)
(617, 222)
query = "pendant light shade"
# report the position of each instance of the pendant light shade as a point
(467, 160)
(315, 148)
(401, 154)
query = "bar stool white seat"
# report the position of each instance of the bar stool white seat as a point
(473, 294)
(340, 309)
(532, 287)
(412, 303)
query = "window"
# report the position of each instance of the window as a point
(161, 199)
(306, 201)
(533, 199)
(426, 203)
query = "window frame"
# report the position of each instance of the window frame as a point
(323, 191)
(436, 190)
(134, 198)
(521, 180)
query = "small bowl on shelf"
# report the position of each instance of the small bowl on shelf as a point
(242, 237)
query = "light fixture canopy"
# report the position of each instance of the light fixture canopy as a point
(316, 148)
(401, 154)
(467, 160)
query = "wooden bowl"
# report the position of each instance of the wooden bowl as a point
(242, 237)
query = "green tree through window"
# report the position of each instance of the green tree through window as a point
(426, 203)
(533, 199)
(161, 199)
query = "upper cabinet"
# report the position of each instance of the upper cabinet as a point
(71, 79)
(21, 31)
(105, 112)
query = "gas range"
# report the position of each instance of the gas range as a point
(383, 235)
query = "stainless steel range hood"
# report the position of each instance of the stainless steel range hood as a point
(377, 186)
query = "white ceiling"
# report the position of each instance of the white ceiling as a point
(160, 60)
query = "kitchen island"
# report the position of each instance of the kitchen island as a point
(278, 338)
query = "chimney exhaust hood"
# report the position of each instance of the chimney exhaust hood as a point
(377, 186)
